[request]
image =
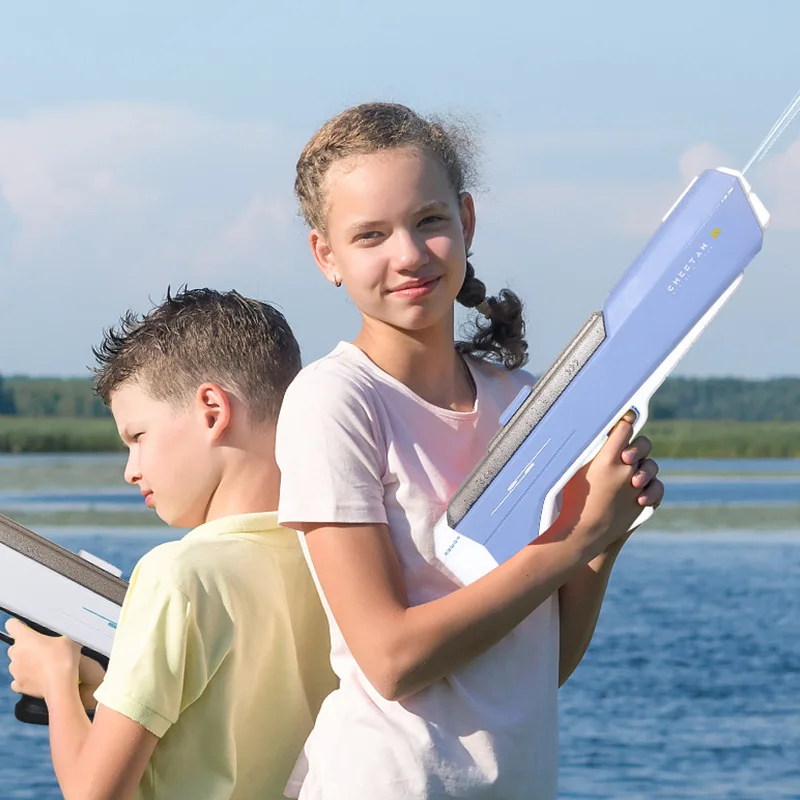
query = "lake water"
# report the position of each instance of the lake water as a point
(690, 689)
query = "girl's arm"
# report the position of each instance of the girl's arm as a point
(100, 761)
(579, 602)
(581, 597)
(403, 649)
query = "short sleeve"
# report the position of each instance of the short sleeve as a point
(157, 665)
(329, 451)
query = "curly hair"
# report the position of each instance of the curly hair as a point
(499, 333)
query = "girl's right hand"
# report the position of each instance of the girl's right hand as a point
(601, 501)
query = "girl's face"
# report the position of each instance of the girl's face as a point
(396, 237)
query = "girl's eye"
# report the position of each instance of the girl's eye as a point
(137, 436)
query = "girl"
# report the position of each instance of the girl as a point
(446, 691)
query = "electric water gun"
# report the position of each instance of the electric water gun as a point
(57, 592)
(687, 271)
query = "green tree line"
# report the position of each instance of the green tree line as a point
(731, 399)
(71, 398)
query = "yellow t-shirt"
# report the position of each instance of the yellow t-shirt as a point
(222, 651)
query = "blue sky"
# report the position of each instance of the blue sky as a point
(153, 143)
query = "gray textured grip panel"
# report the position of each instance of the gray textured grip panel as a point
(72, 566)
(508, 439)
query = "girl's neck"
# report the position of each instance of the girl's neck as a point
(425, 361)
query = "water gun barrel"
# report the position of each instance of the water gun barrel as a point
(653, 315)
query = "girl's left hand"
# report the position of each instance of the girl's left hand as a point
(652, 489)
(38, 660)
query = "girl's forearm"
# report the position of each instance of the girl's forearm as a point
(430, 641)
(580, 601)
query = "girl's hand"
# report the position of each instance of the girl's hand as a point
(37, 661)
(603, 499)
(644, 479)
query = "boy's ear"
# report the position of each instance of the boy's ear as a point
(214, 405)
(324, 257)
(466, 206)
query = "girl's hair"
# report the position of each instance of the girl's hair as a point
(369, 128)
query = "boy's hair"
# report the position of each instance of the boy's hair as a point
(197, 335)
(378, 127)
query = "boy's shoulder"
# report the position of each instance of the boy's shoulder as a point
(178, 565)
(195, 563)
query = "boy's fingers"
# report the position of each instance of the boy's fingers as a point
(15, 627)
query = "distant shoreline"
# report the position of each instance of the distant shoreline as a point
(671, 438)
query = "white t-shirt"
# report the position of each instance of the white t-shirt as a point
(354, 445)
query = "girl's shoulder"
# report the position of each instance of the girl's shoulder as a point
(341, 376)
(502, 383)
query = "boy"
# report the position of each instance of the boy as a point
(220, 661)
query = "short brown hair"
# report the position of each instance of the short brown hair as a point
(198, 335)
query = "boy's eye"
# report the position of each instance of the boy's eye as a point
(367, 236)
(431, 219)
(137, 436)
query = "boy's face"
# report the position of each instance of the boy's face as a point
(170, 458)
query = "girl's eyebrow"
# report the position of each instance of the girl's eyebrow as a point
(361, 226)
(435, 205)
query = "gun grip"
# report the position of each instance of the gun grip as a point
(647, 512)
(33, 711)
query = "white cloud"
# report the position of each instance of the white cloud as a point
(699, 157)
(776, 180)
(632, 208)
(175, 176)
(102, 207)
(111, 203)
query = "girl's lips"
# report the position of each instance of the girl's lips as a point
(148, 500)
(418, 289)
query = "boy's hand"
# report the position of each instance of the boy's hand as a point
(39, 661)
(605, 497)
(91, 675)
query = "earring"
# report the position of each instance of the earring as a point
(337, 282)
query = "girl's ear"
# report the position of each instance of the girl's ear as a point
(214, 407)
(324, 257)
(467, 213)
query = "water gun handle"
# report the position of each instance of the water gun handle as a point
(33, 710)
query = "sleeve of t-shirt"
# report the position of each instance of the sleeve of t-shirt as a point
(330, 454)
(157, 666)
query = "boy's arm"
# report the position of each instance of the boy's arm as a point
(97, 761)
(91, 675)
(100, 761)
